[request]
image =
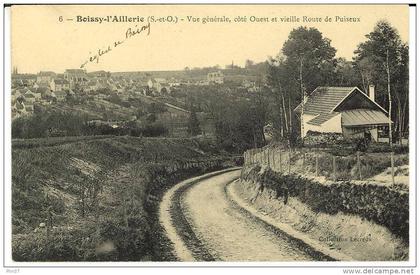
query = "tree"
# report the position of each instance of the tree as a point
(281, 91)
(249, 63)
(346, 73)
(193, 124)
(307, 62)
(310, 56)
(386, 57)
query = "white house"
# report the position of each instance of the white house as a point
(159, 84)
(45, 76)
(59, 84)
(345, 110)
(216, 77)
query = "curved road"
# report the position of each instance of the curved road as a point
(219, 229)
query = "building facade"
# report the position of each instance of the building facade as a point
(345, 110)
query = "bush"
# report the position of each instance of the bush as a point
(59, 245)
(154, 130)
(317, 139)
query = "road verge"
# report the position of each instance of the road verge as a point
(312, 247)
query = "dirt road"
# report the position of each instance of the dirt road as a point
(204, 224)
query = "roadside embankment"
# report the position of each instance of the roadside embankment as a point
(365, 222)
(94, 199)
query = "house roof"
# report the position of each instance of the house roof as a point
(361, 117)
(75, 71)
(326, 99)
(318, 120)
(46, 73)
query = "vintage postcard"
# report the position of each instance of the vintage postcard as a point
(145, 135)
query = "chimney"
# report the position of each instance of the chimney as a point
(372, 92)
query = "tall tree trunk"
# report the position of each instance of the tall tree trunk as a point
(280, 105)
(302, 127)
(404, 113)
(389, 98)
(254, 136)
(399, 108)
(389, 119)
(290, 116)
(285, 113)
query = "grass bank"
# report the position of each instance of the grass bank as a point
(366, 222)
(91, 199)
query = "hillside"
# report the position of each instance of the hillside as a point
(83, 198)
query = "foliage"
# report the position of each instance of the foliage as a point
(317, 139)
(316, 53)
(307, 62)
(193, 124)
(371, 59)
(154, 130)
(53, 123)
(387, 206)
(114, 225)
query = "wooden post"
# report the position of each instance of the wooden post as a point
(359, 170)
(268, 158)
(392, 167)
(290, 156)
(303, 162)
(334, 169)
(317, 164)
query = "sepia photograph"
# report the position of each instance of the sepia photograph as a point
(200, 133)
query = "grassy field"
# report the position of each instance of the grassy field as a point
(374, 166)
(82, 198)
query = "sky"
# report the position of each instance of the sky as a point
(40, 41)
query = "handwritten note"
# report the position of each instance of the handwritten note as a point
(129, 34)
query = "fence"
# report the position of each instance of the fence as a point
(318, 163)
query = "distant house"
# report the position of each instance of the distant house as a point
(92, 85)
(99, 74)
(216, 77)
(345, 110)
(174, 82)
(30, 96)
(45, 76)
(16, 93)
(160, 85)
(59, 84)
(202, 83)
(18, 109)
